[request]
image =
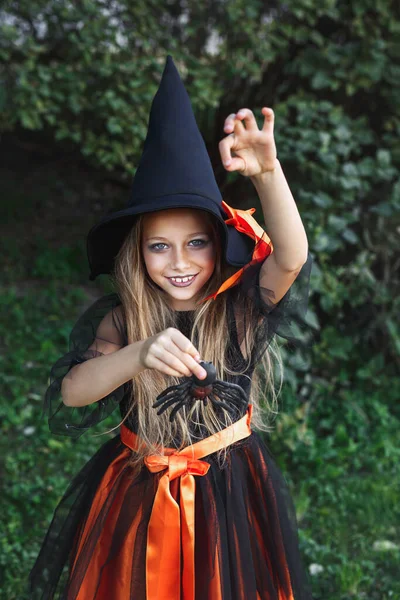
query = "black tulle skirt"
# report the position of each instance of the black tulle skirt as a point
(246, 540)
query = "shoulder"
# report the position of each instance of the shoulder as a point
(114, 318)
(113, 324)
(102, 322)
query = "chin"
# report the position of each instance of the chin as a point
(183, 295)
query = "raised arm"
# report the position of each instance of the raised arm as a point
(286, 230)
(255, 156)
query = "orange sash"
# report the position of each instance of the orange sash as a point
(171, 531)
(242, 221)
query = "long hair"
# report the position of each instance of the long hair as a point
(147, 313)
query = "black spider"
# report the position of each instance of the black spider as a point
(228, 396)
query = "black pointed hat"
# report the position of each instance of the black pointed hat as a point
(174, 171)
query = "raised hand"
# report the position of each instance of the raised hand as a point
(253, 150)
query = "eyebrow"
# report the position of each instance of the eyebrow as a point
(159, 237)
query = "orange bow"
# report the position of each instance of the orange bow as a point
(171, 530)
(168, 532)
(245, 223)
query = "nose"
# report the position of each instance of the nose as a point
(179, 259)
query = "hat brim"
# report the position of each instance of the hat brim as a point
(104, 240)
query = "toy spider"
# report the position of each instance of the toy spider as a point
(228, 396)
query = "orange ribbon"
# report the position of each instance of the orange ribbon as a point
(171, 531)
(245, 223)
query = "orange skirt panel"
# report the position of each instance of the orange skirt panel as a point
(171, 531)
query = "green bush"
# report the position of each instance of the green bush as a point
(77, 81)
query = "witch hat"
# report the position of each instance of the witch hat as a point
(174, 171)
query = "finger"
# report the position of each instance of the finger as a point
(164, 368)
(188, 360)
(244, 116)
(163, 354)
(229, 120)
(269, 119)
(247, 117)
(184, 345)
(225, 145)
(228, 124)
(231, 163)
(233, 124)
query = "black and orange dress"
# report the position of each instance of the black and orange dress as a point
(183, 527)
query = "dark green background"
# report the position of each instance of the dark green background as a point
(76, 87)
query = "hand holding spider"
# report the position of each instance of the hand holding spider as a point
(228, 396)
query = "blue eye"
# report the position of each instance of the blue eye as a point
(160, 246)
(202, 242)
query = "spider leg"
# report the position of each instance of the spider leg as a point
(230, 388)
(222, 398)
(233, 399)
(168, 403)
(171, 392)
(180, 405)
(221, 404)
(176, 386)
(181, 398)
(232, 393)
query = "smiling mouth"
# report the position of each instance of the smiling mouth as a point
(182, 281)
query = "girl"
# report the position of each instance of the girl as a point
(192, 507)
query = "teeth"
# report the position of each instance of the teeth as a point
(182, 279)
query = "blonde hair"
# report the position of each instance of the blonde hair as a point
(147, 313)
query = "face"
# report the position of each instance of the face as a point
(179, 253)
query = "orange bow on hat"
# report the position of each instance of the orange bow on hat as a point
(245, 223)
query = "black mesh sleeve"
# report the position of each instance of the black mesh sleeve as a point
(255, 309)
(83, 342)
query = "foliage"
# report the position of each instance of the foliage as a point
(77, 80)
